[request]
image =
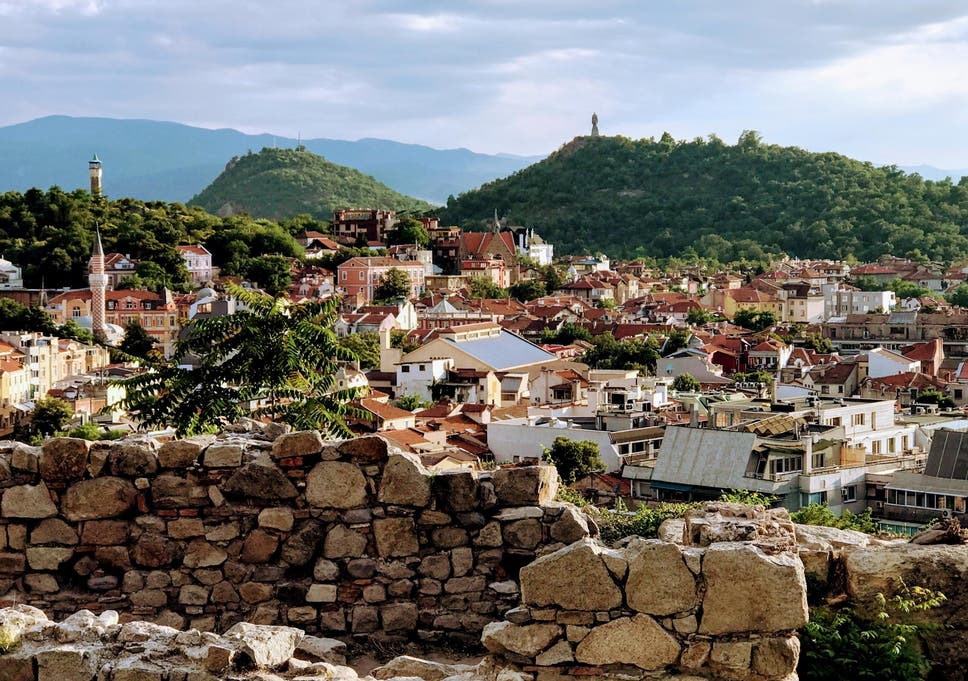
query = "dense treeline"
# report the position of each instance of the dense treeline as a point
(746, 201)
(282, 183)
(50, 235)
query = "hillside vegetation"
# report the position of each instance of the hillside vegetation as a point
(665, 197)
(283, 183)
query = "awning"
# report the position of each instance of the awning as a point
(675, 487)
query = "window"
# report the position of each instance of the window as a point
(76, 312)
(849, 493)
(405, 369)
(891, 446)
(904, 442)
(959, 393)
(858, 419)
(422, 367)
(816, 460)
(876, 447)
(344, 274)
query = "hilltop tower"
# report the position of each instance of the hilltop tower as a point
(94, 169)
(97, 280)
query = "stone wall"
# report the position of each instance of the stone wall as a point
(339, 538)
(722, 602)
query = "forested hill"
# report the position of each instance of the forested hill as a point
(729, 202)
(283, 183)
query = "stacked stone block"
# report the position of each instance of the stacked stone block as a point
(725, 611)
(338, 537)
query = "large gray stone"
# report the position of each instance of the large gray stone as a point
(64, 458)
(525, 640)
(259, 481)
(395, 537)
(54, 531)
(571, 526)
(105, 497)
(172, 491)
(456, 491)
(133, 458)
(405, 482)
(748, 590)
(369, 449)
(267, 647)
(300, 443)
(335, 484)
(659, 583)
(526, 486)
(27, 501)
(300, 547)
(637, 640)
(342, 542)
(183, 453)
(573, 578)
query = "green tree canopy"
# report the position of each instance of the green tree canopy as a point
(753, 320)
(574, 459)
(395, 284)
(409, 231)
(50, 415)
(527, 290)
(137, 342)
(366, 346)
(484, 287)
(686, 383)
(275, 358)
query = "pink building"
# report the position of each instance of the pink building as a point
(198, 261)
(359, 277)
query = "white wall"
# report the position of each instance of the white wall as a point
(515, 437)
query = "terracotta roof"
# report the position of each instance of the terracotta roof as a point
(194, 249)
(384, 411)
(907, 380)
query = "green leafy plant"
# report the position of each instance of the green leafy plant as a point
(843, 644)
(9, 638)
(619, 522)
(574, 459)
(570, 496)
(745, 496)
(820, 514)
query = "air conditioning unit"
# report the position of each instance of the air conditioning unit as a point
(946, 513)
(878, 505)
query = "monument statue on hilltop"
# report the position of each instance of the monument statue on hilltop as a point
(594, 125)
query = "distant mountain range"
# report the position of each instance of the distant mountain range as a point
(932, 173)
(173, 162)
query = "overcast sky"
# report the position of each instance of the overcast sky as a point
(881, 80)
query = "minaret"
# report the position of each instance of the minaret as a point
(94, 168)
(594, 126)
(98, 282)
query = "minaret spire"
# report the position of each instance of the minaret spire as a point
(98, 283)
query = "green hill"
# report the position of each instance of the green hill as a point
(282, 183)
(665, 197)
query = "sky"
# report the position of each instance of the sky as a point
(880, 80)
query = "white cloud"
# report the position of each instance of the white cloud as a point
(427, 23)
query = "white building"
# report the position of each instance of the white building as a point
(10, 276)
(838, 302)
(883, 362)
(198, 262)
(533, 246)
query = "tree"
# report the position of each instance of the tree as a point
(959, 296)
(395, 284)
(409, 231)
(274, 359)
(411, 402)
(50, 414)
(366, 346)
(574, 459)
(137, 342)
(527, 290)
(686, 383)
(676, 341)
(484, 287)
(819, 344)
(271, 272)
(697, 316)
(936, 397)
(754, 320)
(401, 340)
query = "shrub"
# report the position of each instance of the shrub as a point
(745, 496)
(820, 514)
(841, 644)
(643, 522)
(9, 638)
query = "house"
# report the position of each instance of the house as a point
(353, 226)
(589, 289)
(883, 362)
(940, 491)
(10, 275)
(835, 380)
(489, 245)
(840, 301)
(198, 262)
(473, 363)
(118, 267)
(377, 415)
(930, 354)
(359, 277)
(905, 387)
(316, 244)
(769, 355)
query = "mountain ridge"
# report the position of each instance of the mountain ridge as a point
(170, 161)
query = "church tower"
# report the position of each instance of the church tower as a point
(98, 282)
(94, 169)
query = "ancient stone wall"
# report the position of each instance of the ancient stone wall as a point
(722, 602)
(329, 537)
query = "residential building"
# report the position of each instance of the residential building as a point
(841, 301)
(198, 262)
(352, 226)
(10, 275)
(533, 246)
(360, 277)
